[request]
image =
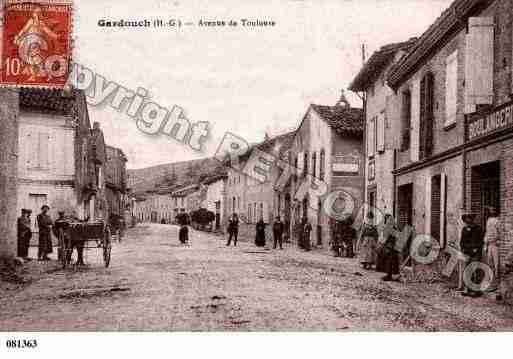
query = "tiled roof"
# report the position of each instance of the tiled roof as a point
(48, 100)
(215, 178)
(281, 143)
(372, 69)
(342, 119)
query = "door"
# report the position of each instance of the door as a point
(436, 203)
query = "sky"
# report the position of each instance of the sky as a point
(248, 81)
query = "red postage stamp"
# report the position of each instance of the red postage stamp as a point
(36, 43)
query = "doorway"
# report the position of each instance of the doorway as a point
(485, 190)
(405, 205)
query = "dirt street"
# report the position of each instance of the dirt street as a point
(156, 284)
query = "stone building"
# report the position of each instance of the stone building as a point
(253, 197)
(215, 199)
(380, 130)
(455, 77)
(116, 189)
(60, 159)
(328, 146)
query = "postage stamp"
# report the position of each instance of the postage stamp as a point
(36, 43)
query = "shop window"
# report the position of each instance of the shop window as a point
(305, 161)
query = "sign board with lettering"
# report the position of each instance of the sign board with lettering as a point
(348, 165)
(499, 119)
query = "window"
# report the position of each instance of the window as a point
(371, 137)
(451, 88)
(322, 164)
(314, 164)
(426, 115)
(261, 211)
(38, 150)
(479, 60)
(249, 213)
(234, 203)
(406, 120)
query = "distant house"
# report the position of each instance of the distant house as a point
(116, 181)
(214, 198)
(327, 146)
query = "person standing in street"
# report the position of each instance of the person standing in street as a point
(307, 230)
(367, 242)
(491, 245)
(233, 229)
(44, 223)
(390, 253)
(260, 233)
(278, 232)
(471, 245)
(24, 234)
(183, 220)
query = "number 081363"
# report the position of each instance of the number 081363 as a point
(21, 343)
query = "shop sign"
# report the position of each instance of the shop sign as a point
(348, 165)
(496, 120)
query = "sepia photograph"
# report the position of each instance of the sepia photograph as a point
(316, 168)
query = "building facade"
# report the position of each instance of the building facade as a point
(328, 147)
(380, 131)
(215, 199)
(60, 157)
(451, 81)
(116, 190)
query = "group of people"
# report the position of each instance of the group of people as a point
(376, 247)
(278, 230)
(44, 223)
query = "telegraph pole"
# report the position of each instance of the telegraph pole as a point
(9, 114)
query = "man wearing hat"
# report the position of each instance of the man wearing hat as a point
(44, 223)
(24, 234)
(471, 245)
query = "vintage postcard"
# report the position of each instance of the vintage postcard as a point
(333, 166)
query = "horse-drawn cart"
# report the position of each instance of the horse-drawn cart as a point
(84, 235)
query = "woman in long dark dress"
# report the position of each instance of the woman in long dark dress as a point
(260, 233)
(367, 243)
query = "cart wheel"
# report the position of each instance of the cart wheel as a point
(106, 248)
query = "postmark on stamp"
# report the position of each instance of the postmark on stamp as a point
(36, 43)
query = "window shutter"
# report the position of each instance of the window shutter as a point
(380, 132)
(443, 206)
(371, 139)
(479, 63)
(451, 88)
(415, 113)
(300, 159)
(428, 202)
(43, 142)
(406, 120)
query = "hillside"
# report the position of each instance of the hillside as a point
(155, 178)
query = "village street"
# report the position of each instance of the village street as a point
(156, 284)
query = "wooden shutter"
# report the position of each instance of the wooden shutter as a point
(436, 206)
(380, 132)
(406, 120)
(451, 88)
(426, 116)
(479, 57)
(443, 209)
(415, 119)
(371, 138)
(43, 142)
(428, 204)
